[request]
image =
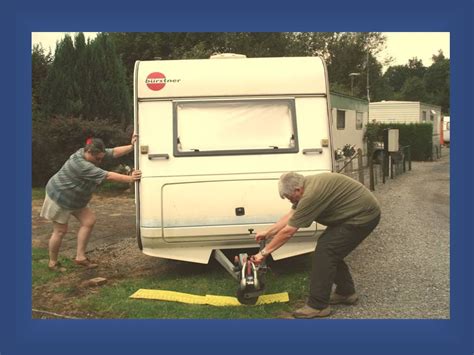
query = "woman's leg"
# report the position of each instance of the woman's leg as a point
(87, 220)
(59, 231)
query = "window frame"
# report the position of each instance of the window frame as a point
(227, 152)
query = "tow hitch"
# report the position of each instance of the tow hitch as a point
(249, 275)
(251, 279)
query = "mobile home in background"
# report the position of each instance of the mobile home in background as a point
(409, 112)
(446, 130)
(350, 116)
(214, 136)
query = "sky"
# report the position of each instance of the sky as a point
(48, 39)
(401, 46)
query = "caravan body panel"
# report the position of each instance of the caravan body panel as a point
(199, 78)
(214, 137)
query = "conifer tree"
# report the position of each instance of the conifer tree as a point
(87, 80)
(40, 62)
(60, 92)
(108, 94)
(81, 75)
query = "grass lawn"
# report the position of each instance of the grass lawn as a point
(37, 193)
(40, 273)
(112, 299)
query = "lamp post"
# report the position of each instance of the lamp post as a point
(352, 75)
(368, 86)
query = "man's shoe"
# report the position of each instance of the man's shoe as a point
(340, 299)
(310, 312)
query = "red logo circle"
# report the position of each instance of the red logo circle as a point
(155, 81)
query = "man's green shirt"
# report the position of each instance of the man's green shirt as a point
(332, 198)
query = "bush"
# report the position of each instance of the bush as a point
(419, 136)
(55, 139)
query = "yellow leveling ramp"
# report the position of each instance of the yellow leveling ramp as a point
(207, 299)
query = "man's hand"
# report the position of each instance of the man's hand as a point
(257, 259)
(261, 236)
(134, 139)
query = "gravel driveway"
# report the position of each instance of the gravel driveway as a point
(402, 269)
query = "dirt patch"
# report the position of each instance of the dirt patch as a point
(113, 245)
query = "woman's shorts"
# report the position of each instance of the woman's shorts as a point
(52, 211)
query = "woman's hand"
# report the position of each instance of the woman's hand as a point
(136, 175)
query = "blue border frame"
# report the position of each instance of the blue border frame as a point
(20, 334)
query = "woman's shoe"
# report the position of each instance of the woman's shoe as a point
(57, 267)
(88, 264)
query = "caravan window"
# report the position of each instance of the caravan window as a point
(341, 119)
(231, 127)
(359, 120)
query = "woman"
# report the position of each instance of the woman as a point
(69, 191)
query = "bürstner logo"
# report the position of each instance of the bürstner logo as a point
(157, 81)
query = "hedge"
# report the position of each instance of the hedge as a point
(55, 139)
(419, 136)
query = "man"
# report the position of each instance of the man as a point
(350, 212)
(69, 191)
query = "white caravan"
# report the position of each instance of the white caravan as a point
(447, 129)
(214, 136)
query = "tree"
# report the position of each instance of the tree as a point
(381, 90)
(310, 43)
(40, 62)
(349, 52)
(415, 82)
(438, 58)
(396, 76)
(82, 76)
(87, 80)
(413, 90)
(133, 46)
(416, 67)
(108, 95)
(258, 44)
(435, 78)
(60, 90)
(437, 81)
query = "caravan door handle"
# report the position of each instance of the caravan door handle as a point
(313, 151)
(158, 156)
